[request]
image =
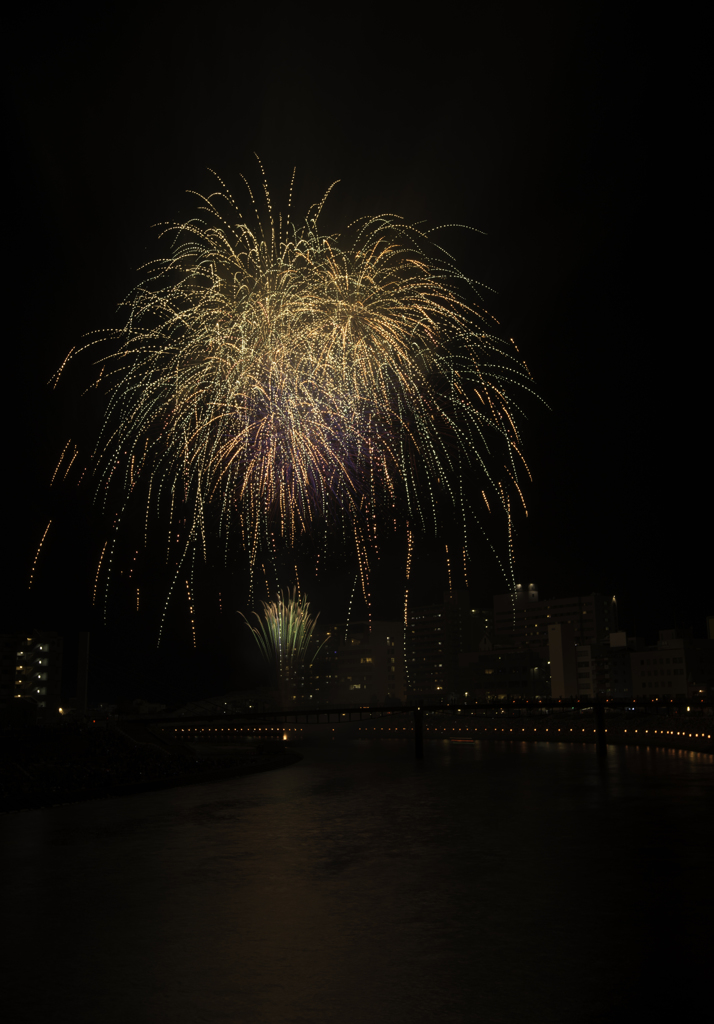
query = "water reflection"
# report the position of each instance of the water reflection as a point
(495, 882)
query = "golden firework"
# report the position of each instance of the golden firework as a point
(278, 380)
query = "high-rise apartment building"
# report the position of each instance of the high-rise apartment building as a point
(358, 663)
(522, 619)
(677, 666)
(503, 672)
(562, 660)
(604, 669)
(31, 667)
(435, 638)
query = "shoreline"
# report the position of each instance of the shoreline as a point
(262, 763)
(510, 730)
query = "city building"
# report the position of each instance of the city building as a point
(358, 663)
(526, 647)
(522, 619)
(436, 636)
(677, 666)
(31, 667)
(80, 701)
(562, 659)
(502, 672)
(605, 669)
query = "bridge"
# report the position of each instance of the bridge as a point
(477, 718)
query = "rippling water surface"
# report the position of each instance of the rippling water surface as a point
(493, 883)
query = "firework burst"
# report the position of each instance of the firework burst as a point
(273, 380)
(284, 634)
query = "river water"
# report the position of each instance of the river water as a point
(494, 882)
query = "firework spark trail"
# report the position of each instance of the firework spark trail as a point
(287, 377)
(60, 461)
(190, 611)
(76, 453)
(56, 376)
(37, 555)
(349, 607)
(99, 567)
(410, 550)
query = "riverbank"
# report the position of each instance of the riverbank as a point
(42, 767)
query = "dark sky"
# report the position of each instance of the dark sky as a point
(554, 129)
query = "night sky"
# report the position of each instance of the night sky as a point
(553, 129)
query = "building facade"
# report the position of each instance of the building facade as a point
(562, 659)
(677, 666)
(357, 664)
(496, 673)
(605, 669)
(522, 619)
(436, 637)
(31, 668)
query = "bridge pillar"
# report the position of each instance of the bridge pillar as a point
(419, 733)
